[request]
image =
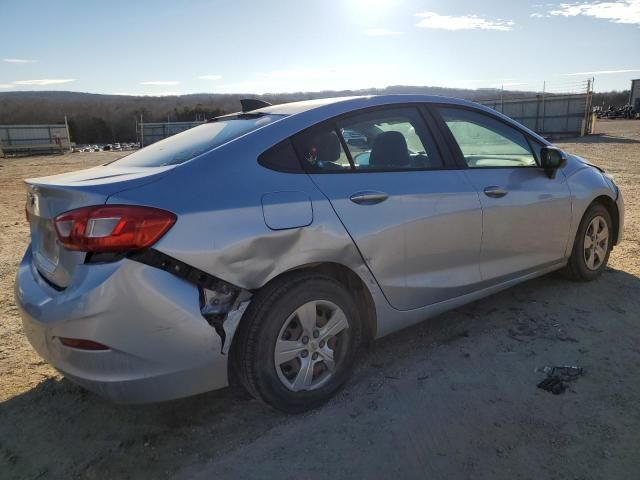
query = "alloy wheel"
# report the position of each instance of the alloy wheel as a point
(310, 345)
(596, 243)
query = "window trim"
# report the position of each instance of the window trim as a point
(452, 144)
(333, 124)
(443, 139)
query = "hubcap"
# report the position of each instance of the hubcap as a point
(596, 243)
(310, 344)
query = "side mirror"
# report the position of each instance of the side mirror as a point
(552, 159)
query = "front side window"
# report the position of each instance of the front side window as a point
(486, 142)
(193, 142)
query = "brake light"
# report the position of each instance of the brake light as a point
(112, 228)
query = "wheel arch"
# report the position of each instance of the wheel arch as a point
(612, 208)
(347, 278)
(353, 284)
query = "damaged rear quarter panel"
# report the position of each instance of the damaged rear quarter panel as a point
(221, 228)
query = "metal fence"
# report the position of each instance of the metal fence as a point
(154, 132)
(28, 138)
(551, 116)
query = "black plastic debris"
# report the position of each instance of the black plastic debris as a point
(558, 376)
(553, 385)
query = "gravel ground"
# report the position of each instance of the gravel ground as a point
(454, 397)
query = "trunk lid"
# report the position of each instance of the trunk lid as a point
(48, 197)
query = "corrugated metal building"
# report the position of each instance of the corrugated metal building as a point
(634, 96)
(154, 132)
(551, 115)
(34, 138)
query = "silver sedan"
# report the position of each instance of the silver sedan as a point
(266, 247)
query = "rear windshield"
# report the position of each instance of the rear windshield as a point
(189, 144)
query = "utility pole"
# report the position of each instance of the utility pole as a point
(141, 131)
(544, 89)
(66, 126)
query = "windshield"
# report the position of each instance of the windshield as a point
(189, 144)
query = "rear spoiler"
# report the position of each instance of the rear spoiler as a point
(250, 104)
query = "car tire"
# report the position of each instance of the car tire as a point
(582, 266)
(278, 322)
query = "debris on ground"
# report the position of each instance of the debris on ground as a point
(557, 376)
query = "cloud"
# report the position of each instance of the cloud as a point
(603, 72)
(162, 83)
(44, 82)
(210, 77)
(462, 22)
(6, 85)
(621, 11)
(18, 60)
(382, 32)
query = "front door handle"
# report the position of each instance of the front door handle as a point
(370, 197)
(495, 192)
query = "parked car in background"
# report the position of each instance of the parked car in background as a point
(353, 137)
(256, 247)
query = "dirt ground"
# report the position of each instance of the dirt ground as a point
(452, 398)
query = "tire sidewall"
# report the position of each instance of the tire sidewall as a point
(265, 377)
(577, 259)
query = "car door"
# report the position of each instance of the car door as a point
(526, 214)
(416, 222)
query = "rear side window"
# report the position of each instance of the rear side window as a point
(193, 142)
(320, 149)
(486, 142)
(389, 139)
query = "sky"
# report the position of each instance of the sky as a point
(163, 47)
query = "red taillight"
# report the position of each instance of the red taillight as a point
(82, 344)
(112, 228)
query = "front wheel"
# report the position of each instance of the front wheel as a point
(298, 343)
(592, 245)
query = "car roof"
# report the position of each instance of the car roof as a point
(356, 102)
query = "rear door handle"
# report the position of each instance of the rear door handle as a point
(369, 197)
(495, 192)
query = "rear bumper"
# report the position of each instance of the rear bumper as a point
(161, 347)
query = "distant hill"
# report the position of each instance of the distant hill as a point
(95, 118)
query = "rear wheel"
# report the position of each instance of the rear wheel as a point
(298, 342)
(592, 245)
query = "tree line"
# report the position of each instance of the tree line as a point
(95, 118)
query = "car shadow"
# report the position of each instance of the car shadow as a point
(60, 430)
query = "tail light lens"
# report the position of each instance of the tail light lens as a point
(112, 228)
